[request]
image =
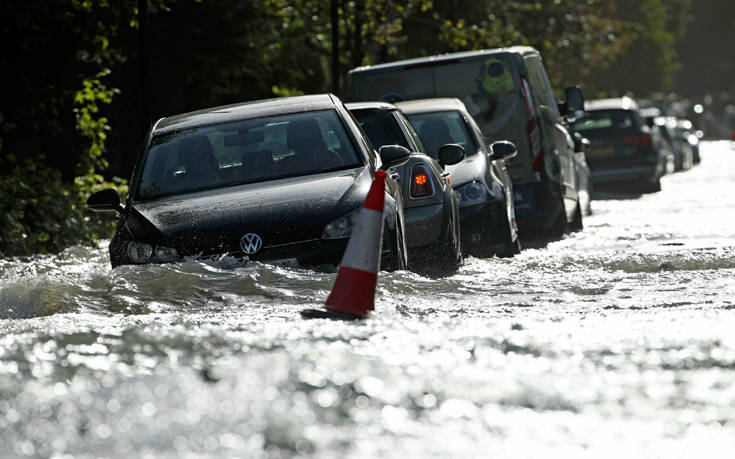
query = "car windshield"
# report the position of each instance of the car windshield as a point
(381, 128)
(440, 128)
(606, 119)
(247, 151)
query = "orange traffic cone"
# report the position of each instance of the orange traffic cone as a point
(353, 293)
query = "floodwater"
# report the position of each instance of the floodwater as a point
(618, 341)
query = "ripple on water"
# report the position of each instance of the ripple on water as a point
(614, 341)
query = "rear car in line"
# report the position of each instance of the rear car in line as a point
(621, 145)
(481, 179)
(266, 180)
(431, 209)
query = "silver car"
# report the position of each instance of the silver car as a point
(481, 179)
(431, 209)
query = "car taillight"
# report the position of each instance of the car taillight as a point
(532, 130)
(642, 140)
(421, 186)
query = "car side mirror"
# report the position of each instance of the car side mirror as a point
(650, 122)
(393, 155)
(107, 200)
(502, 149)
(574, 101)
(581, 143)
(450, 154)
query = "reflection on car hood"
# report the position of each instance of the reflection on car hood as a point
(469, 169)
(280, 211)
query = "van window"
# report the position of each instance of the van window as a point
(540, 86)
(393, 86)
(488, 87)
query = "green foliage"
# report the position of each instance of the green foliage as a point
(90, 124)
(66, 113)
(40, 213)
(650, 62)
(53, 127)
(300, 38)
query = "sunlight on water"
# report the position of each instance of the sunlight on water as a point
(616, 341)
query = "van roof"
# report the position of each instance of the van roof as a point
(437, 104)
(620, 103)
(442, 58)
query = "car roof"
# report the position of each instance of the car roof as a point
(523, 50)
(436, 104)
(620, 103)
(650, 112)
(246, 110)
(370, 106)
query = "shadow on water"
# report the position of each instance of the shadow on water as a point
(619, 191)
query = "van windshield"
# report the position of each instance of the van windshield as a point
(440, 128)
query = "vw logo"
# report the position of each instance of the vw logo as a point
(251, 243)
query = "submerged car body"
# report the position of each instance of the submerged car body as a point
(266, 180)
(621, 144)
(431, 209)
(481, 180)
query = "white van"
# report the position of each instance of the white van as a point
(507, 91)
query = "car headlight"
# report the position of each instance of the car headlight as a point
(342, 227)
(139, 252)
(472, 193)
(165, 254)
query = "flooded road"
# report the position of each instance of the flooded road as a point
(616, 341)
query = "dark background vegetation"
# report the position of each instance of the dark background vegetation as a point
(71, 106)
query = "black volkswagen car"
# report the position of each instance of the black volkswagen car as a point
(431, 209)
(267, 180)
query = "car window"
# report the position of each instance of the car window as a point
(245, 151)
(414, 137)
(605, 119)
(380, 128)
(440, 128)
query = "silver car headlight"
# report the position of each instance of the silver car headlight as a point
(472, 193)
(165, 254)
(342, 227)
(139, 252)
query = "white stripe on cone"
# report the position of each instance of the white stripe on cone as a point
(364, 247)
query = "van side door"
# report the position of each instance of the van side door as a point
(556, 137)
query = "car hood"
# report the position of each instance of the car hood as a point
(280, 211)
(469, 169)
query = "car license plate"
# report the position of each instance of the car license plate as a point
(600, 152)
(524, 199)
